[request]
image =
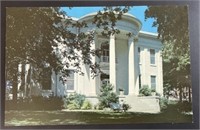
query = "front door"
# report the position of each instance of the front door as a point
(105, 79)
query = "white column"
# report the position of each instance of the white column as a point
(160, 74)
(137, 70)
(93, 80)
(131, 66)
(112, 62)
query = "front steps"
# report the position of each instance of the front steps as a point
(144, 104)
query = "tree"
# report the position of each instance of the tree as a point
(107, 96)
(34, 35)
(172, 23)
(29, 40)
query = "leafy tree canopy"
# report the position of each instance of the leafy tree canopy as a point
(172, 23)
(47, 38)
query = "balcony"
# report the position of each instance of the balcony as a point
(104, 59)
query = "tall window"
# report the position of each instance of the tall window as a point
(105, 79)
(140, 85)
(153, 82)
(138, 54)
(70, 80)
(105, 52)
(152, 56)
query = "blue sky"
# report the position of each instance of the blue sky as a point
(137, 11)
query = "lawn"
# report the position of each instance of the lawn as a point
(24, 118)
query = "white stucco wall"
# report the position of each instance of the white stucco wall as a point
(122, 64)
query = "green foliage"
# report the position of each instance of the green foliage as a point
(107, 96)
(33, 34)
(74, 101)
(145, 90)
(172, 23)
(153, 90)
(107, 19)
(163, 102)
(86, 105)
(126, 107)
(73, 105)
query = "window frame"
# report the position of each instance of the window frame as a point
(153, 85)
(152, 56)
(105, 53)
(139, 55)
(70, 79)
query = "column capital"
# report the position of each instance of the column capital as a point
(133, 38)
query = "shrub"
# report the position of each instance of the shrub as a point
(145, 90)
(74, 101)
(98, 107)
(107, 96)
(86, 105)
(153, 90)
(163, 102)
(126, 107)
(72, 105)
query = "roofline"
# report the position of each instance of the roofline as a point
(148, 34)
(127, 16)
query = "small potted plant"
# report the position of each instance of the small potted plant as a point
(153, 92)
(121, 91)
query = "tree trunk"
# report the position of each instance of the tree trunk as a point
(190, 96)
(15, 85)
(180, 94)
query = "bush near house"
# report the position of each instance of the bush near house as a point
(86, 105)
(163, 102)
(145, 91)
(107, 96)
(126, 107)
(76, 101)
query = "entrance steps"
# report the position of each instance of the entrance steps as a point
(144, 104)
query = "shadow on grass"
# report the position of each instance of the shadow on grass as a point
(22, 118)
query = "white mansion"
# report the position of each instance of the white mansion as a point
(128, 63)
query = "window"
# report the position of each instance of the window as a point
(105, 82)
(105, 52)
(152, 56)
(70, 80)
(140, 85)
(153, 82)
(104, 79)
(138, 54)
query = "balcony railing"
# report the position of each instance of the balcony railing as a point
(104, 59)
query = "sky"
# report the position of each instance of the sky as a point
(137, 11)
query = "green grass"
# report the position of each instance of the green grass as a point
(31, 118)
